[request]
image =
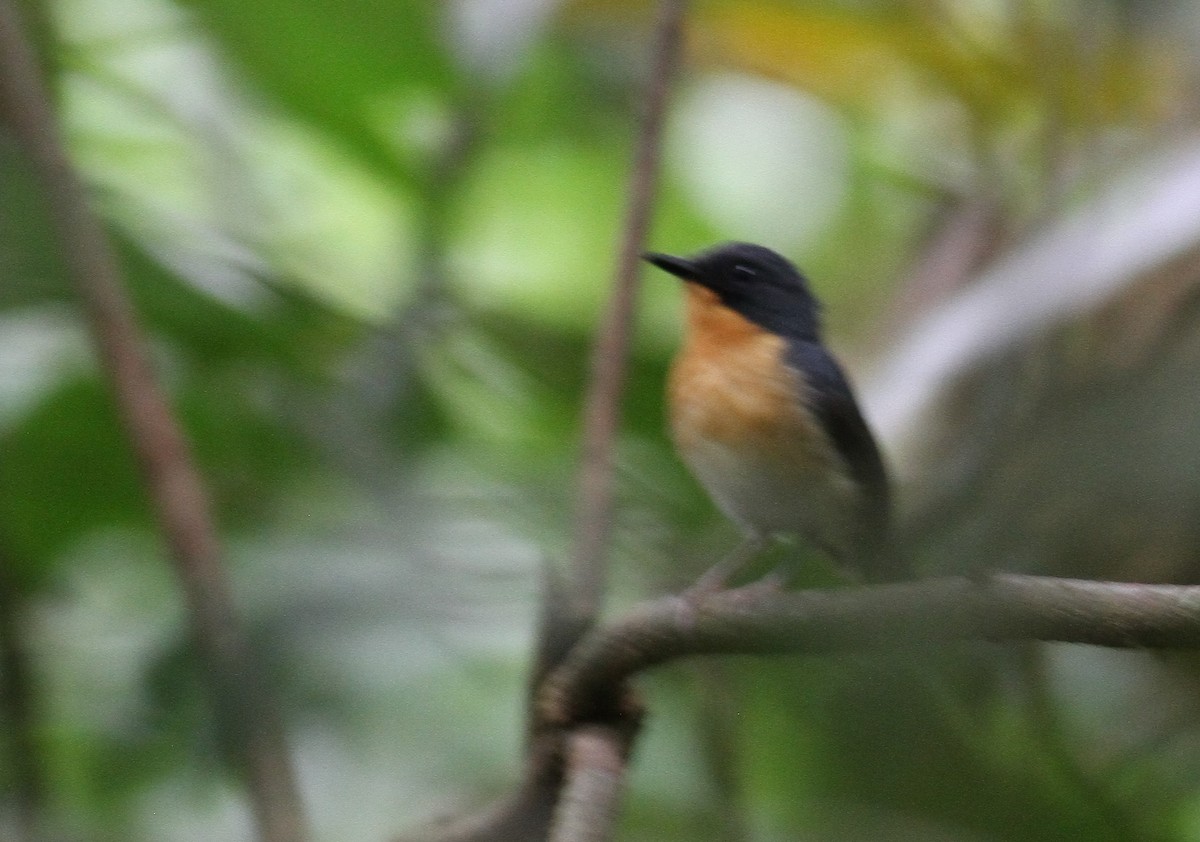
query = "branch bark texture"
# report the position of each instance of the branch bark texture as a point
(759, 621)
(595, 776)
(610, 356)
(172, 482)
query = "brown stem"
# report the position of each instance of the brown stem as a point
(587, 811)
(569, 608)
(594, 508)
(590, 684)
(171, 479)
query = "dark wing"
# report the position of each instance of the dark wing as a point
(832, 400)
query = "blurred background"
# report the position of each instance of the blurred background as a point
(370, 243)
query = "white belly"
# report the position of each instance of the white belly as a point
(774, 496)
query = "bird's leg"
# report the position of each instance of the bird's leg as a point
(716, 577)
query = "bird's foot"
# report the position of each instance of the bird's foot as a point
(717, 577)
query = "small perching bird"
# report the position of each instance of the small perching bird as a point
(765, 418)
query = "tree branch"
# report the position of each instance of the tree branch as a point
(174, 486)
(758, 621)
(569, 607)
(596, 761)
(610, 356)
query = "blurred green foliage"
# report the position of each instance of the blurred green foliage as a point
(369, 243)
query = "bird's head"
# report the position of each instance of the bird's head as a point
(754, 281)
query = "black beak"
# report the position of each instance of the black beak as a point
(677, 266)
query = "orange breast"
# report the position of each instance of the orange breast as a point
(737, 422)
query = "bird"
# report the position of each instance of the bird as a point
(766, 420)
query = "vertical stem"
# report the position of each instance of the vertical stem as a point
(610, 356)
(172, 482)
(595, 776)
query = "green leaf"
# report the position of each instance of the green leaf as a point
(333, 63)
(66, 469)
(31, 266)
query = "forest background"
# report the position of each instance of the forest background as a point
(370, 245)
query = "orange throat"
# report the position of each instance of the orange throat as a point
(740, 422)
(728, 382)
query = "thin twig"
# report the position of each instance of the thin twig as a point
(354, 427)
(569, 608)
(594, 508)
(754, 620)
(172, 481)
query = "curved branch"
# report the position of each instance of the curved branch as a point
(756, 620)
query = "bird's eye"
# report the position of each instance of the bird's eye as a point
(744, 271)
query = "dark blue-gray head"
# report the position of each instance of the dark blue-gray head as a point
(754, 281)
